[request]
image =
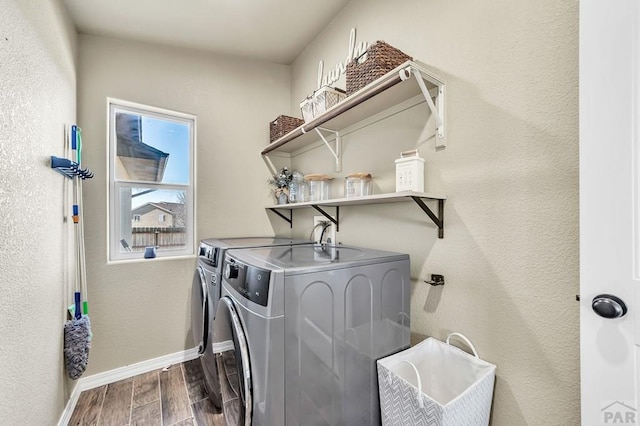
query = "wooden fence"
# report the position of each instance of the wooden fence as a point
(163, 238)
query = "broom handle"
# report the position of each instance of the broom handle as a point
(76, 231)
(83, 262)
(65, 217)
(75, 150)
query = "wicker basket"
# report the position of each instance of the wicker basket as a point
(320, 101)
(380, 59)
(283, 125)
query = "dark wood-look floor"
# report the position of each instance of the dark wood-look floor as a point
(173, 396)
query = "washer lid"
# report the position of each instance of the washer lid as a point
(245, 242)
(231, 351)
(317, 257)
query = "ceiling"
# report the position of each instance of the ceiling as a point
(272, 30)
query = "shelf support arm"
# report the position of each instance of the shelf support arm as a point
(437, 220)
(437, 111)
(287, 219)
(338, 151)
(336, 221)
(270, 165)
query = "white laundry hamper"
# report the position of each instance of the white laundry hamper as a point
(434, 383)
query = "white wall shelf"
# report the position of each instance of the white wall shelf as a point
(387, 91)
(378, 98)
(396, 197)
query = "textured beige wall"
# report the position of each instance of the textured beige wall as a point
(510, 247)
(141, 310)
(37, 102)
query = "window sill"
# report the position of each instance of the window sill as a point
(155, 259)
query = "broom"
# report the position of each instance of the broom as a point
(77, 331)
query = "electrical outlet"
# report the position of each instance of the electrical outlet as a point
(329, 233)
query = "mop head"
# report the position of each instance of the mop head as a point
(77, 342)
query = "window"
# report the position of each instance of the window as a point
(151, 181)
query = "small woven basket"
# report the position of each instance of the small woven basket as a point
(381, 58)
(320, 101)
(283, 125)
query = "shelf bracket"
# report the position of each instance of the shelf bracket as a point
(287, 219)
(336, 221)
(270, 165)
(437, 108)
(437, 220)
(337, 153)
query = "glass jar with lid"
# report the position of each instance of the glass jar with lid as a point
(318, 186)
(357, 185)
(298, 189)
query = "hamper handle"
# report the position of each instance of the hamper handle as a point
(466, 340)
(415, 369)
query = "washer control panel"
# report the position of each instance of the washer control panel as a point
(209, 254)
(251, 282)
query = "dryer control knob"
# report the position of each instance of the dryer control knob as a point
(231, 271)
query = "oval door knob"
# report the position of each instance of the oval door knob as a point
(608, 306)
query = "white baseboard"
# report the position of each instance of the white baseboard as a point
(122, 373)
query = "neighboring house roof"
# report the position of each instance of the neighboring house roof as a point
(141, 161)
(176, 210)
(171, 208)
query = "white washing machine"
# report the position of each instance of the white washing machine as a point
(205, 294)
(298, 331)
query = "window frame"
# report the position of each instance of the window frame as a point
(114, 186)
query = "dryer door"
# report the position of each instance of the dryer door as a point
(229, 343)
(199, 309)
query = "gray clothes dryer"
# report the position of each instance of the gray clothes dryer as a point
(299, 329)
(205, 294)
